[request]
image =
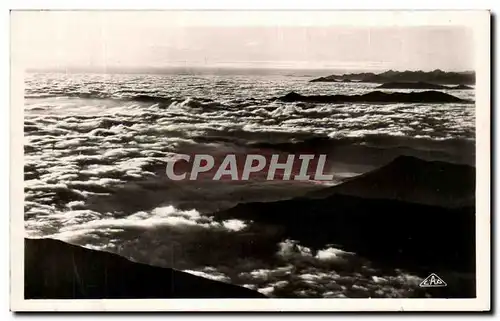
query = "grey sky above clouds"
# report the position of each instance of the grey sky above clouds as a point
(164, 39)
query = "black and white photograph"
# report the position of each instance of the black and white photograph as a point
(251, 155)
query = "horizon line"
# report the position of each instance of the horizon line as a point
(152, 69)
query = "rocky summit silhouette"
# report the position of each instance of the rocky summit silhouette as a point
(420, 85)
(345, 77)
(436, 76)
(461, 86)
(58, 270)
(413, 180)
(377, 97)
(327, 79)
(392, 231)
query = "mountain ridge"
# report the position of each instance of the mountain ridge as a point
(411, 179)
(430, 96)
(58, 270)
(398, 232)
(436, 76)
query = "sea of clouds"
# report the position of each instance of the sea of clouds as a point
(96, 148)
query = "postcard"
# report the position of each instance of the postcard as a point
(264, 160)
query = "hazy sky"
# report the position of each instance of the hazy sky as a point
(162, 39)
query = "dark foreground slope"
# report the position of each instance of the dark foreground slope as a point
(57, 270)
(377, 97)
(395, 233)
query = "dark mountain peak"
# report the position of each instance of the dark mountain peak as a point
(419, 85)
(437, 76)
(388, 73)
(292, 94)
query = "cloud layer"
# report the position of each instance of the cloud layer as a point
(96, 148)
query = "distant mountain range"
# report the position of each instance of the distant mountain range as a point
(436, 77)
(420, 85)
(377, 97)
